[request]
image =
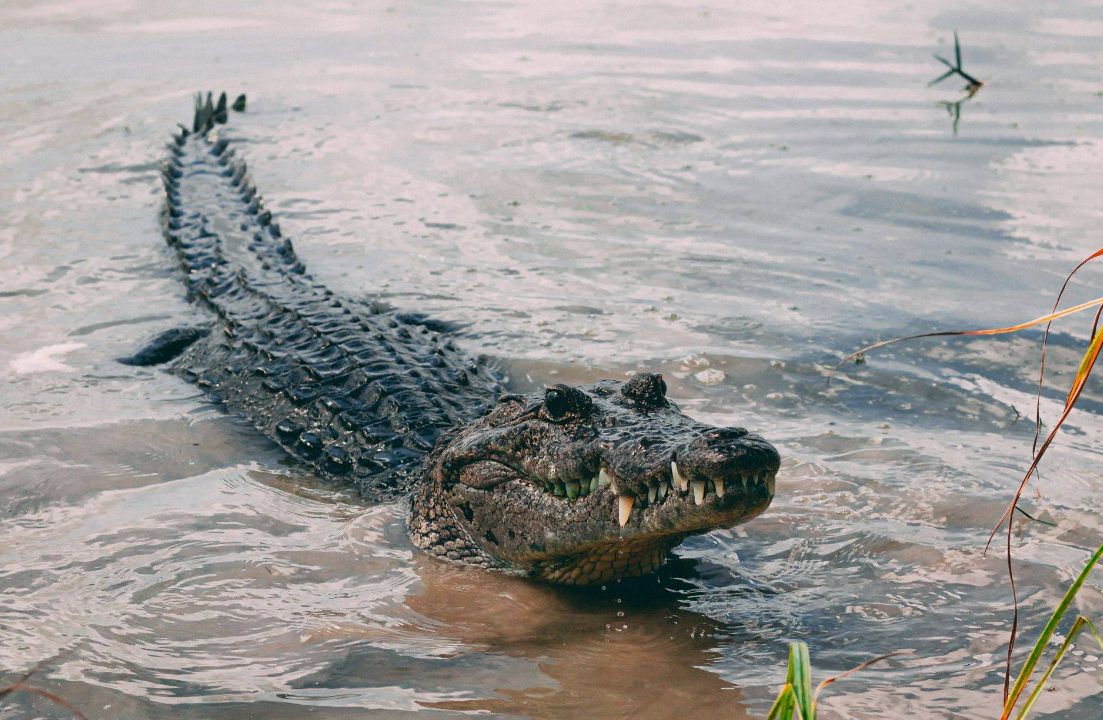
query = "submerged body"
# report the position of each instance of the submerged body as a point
(575, 485)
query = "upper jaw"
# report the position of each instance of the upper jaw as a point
(675, 502)
(720, 472)
(683, 499)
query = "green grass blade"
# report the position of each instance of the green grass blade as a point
(1080, 624)
(1047, 633)
(795, 699)
(783, 706)
(800, 670)
(791, 668)
(957, 50)
(941, 77)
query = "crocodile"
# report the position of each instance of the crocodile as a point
(573, 485)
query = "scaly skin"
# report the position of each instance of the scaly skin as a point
(574, 485)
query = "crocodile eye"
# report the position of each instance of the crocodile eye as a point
(556, 403)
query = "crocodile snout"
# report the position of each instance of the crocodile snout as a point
(727, 454)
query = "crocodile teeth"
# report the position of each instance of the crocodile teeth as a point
(698, 491)
(603, 477)
(771, 483)
(652, 493)
(624, 508)
(664, 487)
(679, 482)
(743, 481)
(572, 490)
(560, 491)
(719, 488)
(593, 485)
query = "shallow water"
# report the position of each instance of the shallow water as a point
(587, 188)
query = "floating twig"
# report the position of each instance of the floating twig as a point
(956, 69)
(20, 686)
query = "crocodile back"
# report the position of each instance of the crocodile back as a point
(349, 388)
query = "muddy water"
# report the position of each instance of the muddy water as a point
(731, 194)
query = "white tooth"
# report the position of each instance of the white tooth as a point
(624, 508)
(652, 492)
(771, 483)
(572, 489)
(679, 482)
(603, 477)
(719, 488)
(664, 487)
(593, 484)
(743, 481)
(583, 489)
(698, 491)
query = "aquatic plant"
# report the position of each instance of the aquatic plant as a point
(1083, 372)
(797, 700)
(956, 69)
(1081, 622)
(953, 108)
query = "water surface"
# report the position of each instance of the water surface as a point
(731, 194)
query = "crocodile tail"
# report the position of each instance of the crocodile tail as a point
(209, 113)
(346, 387)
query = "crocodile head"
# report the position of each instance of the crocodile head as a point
(582, 485)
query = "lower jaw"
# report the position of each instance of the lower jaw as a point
(606, 562)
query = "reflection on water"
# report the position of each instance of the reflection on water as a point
(953, 109)
(224, 585)
(731, 195)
